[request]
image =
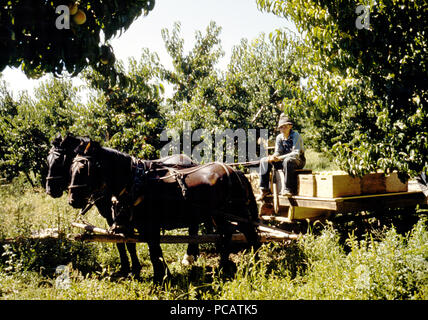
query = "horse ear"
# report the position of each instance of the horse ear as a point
(81, 148)
(91, 147)
(57, 140)
(88, 148)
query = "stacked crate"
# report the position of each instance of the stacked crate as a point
(334, 184)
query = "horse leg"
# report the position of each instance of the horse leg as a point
(158, 262)
(225, 231)
(106, 209)
(250, 232)
(152, 236)
(192, 249)
(124, 262)
(136, 267)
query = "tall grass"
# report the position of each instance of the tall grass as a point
(384, 264)
(317, 161)
(393, 267)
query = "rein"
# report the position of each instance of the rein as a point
(176, 173)
(90, 204)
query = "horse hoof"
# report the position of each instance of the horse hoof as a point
(188, 260)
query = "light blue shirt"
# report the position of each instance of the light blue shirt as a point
(289, 148)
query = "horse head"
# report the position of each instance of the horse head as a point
(59, 161)
(84, 173)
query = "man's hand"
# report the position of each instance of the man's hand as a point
(273, 158)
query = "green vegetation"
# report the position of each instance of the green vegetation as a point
(330, 263)
(358, 96)
(51, 37)
(366, 91)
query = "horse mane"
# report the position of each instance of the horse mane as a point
(71, 142)
(116, 153)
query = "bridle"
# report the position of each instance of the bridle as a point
(60, 153)
(94, 195)
(81, 159)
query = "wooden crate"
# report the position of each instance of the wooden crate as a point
(337, 184)
(306, 185)
(373, 183)
(340, 184)
(394, 184)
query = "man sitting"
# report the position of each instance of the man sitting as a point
(289, 155)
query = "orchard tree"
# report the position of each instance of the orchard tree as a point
(259, 84)
(64, 36)
(367, 68)
(126, 118)
(194, 77)
(27, 125)
(252, 92)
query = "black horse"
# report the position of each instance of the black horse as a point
(169, 199)
(59, 161)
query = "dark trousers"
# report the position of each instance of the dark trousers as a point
(289, 165)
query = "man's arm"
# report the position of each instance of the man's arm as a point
(278, 150)
(297, 147)
(278, 146)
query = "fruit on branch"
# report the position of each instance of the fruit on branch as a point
(80, 17)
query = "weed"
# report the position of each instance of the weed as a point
(329, 263)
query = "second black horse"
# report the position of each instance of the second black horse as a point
(212, 193)
(59, 161)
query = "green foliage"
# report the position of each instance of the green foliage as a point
(256, 87)
(26, 126)
(392, 267)
(194, 78)
(326, 264)
(259, 84)
(30, 38)
(125, 118)
(368, 86)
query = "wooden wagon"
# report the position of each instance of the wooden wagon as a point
(322, 194)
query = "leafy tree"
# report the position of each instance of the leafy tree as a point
(126, 118)
(194, 77)
(371, 79)
(26, 126)
(259, 84)
(259, 76)
(49, 37)
(251, 93)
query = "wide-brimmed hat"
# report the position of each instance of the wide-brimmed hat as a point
(284, 120)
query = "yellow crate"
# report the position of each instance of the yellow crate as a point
(306, 185)
(302, 213)
(394, 184)
(373, 183)
(337, 184)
